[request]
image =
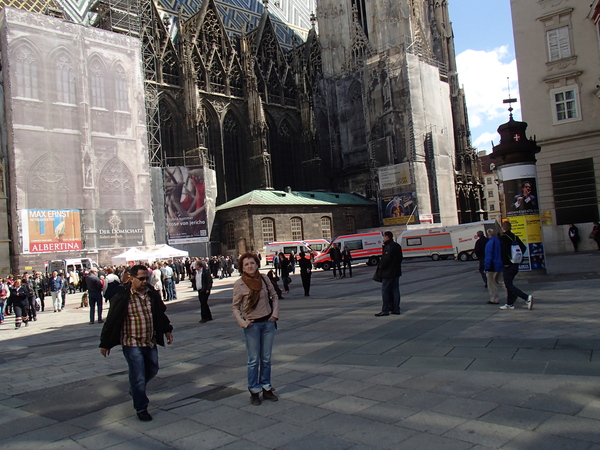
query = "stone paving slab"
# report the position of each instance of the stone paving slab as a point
(450, 372)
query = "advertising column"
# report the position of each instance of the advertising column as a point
(515, 161)
(523, 212)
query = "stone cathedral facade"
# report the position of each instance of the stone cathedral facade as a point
(255, 92)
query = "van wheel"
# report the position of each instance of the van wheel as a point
(463, 256)
(373, 261)
(474, 256)
(326, 265)
(435, 257)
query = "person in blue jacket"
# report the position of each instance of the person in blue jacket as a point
(492, 265)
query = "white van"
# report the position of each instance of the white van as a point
(362, 246)
(441, 242)
(287, 247)
(66, 265)
(317, 245)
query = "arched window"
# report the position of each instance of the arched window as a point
(357, 122)
(121, 90)
(27, 73)
(233, 147)
(326, 227)
(230, 235)
(350, 225)
(97, 85)
(268, 230)
(65, 80)
(296, 226)
(117, 186)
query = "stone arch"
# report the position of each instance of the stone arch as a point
(284, 156)
(169, 132)
(47, 183)
(97, 78)
(117, 185)
(121, 86)
(63, 76)
(28, 70)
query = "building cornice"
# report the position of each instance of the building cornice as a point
(560, 12)
(562, 76)
(570, 138)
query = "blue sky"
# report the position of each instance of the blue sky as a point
(485, 57)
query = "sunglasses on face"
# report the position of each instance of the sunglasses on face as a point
(141, 278)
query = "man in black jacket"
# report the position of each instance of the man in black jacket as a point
(479, 250)
(511, 269)
(138, 322)
(204, 283)
(390, 267)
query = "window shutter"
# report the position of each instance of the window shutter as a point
(559, 45)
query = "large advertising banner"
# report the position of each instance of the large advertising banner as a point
(394, 176)
(50, 230)
(399, 209)
(185, 203)
(117, 228)
(523, 211)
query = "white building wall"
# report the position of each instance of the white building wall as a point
(539, 79)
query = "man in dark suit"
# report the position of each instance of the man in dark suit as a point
(390, 267)
(204, 283)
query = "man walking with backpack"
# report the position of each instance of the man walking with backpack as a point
(512, 255)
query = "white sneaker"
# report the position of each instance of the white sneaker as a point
(507, 306)
(530, 302)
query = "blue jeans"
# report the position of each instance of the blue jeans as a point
(390, 294)
(170, 289)
(2, 309)
(143, 366)
(95, 299)
(512, 292)
(259, 344)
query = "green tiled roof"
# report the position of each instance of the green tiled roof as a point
(299, 198)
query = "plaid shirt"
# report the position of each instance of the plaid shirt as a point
(137, 327)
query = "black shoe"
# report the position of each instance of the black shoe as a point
(255, 399)
(268, 395)
(144, 416)
(397, 313)
(101, 321)
(381, 314)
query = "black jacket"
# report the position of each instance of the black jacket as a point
(111, 331)
(479, 249)
(390, 265)
(506, 241)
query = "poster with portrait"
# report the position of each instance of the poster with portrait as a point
(399, 209)
(185, 204)
(118, 228)
(50, 230)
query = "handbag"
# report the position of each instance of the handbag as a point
(377, 275)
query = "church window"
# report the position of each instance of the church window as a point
(122, 95)
(27, 74)
(326, 228)
(65, 80)
(98, 85)
(268, 230)
(118, 187)
(233, 136)
(350, 225)
(361, 11)
(230, 235)
(296, 226)
(490, 193)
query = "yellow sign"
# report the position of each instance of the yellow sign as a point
(547, 218)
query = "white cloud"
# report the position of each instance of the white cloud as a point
(484, 141)
(483, 74)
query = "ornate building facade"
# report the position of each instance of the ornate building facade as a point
(254, 92)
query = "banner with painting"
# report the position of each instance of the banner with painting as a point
(50, 230)
(186, 205)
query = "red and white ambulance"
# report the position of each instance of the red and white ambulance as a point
(362, 246)
(287, 247)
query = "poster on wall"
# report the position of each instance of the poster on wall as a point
(394, 176)
(50, 230)
(118, 228)
(185, 204)
(398, 209)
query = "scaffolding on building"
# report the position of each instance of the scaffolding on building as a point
(135, 18)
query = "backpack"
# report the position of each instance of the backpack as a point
(516, 254)
(112, 289)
